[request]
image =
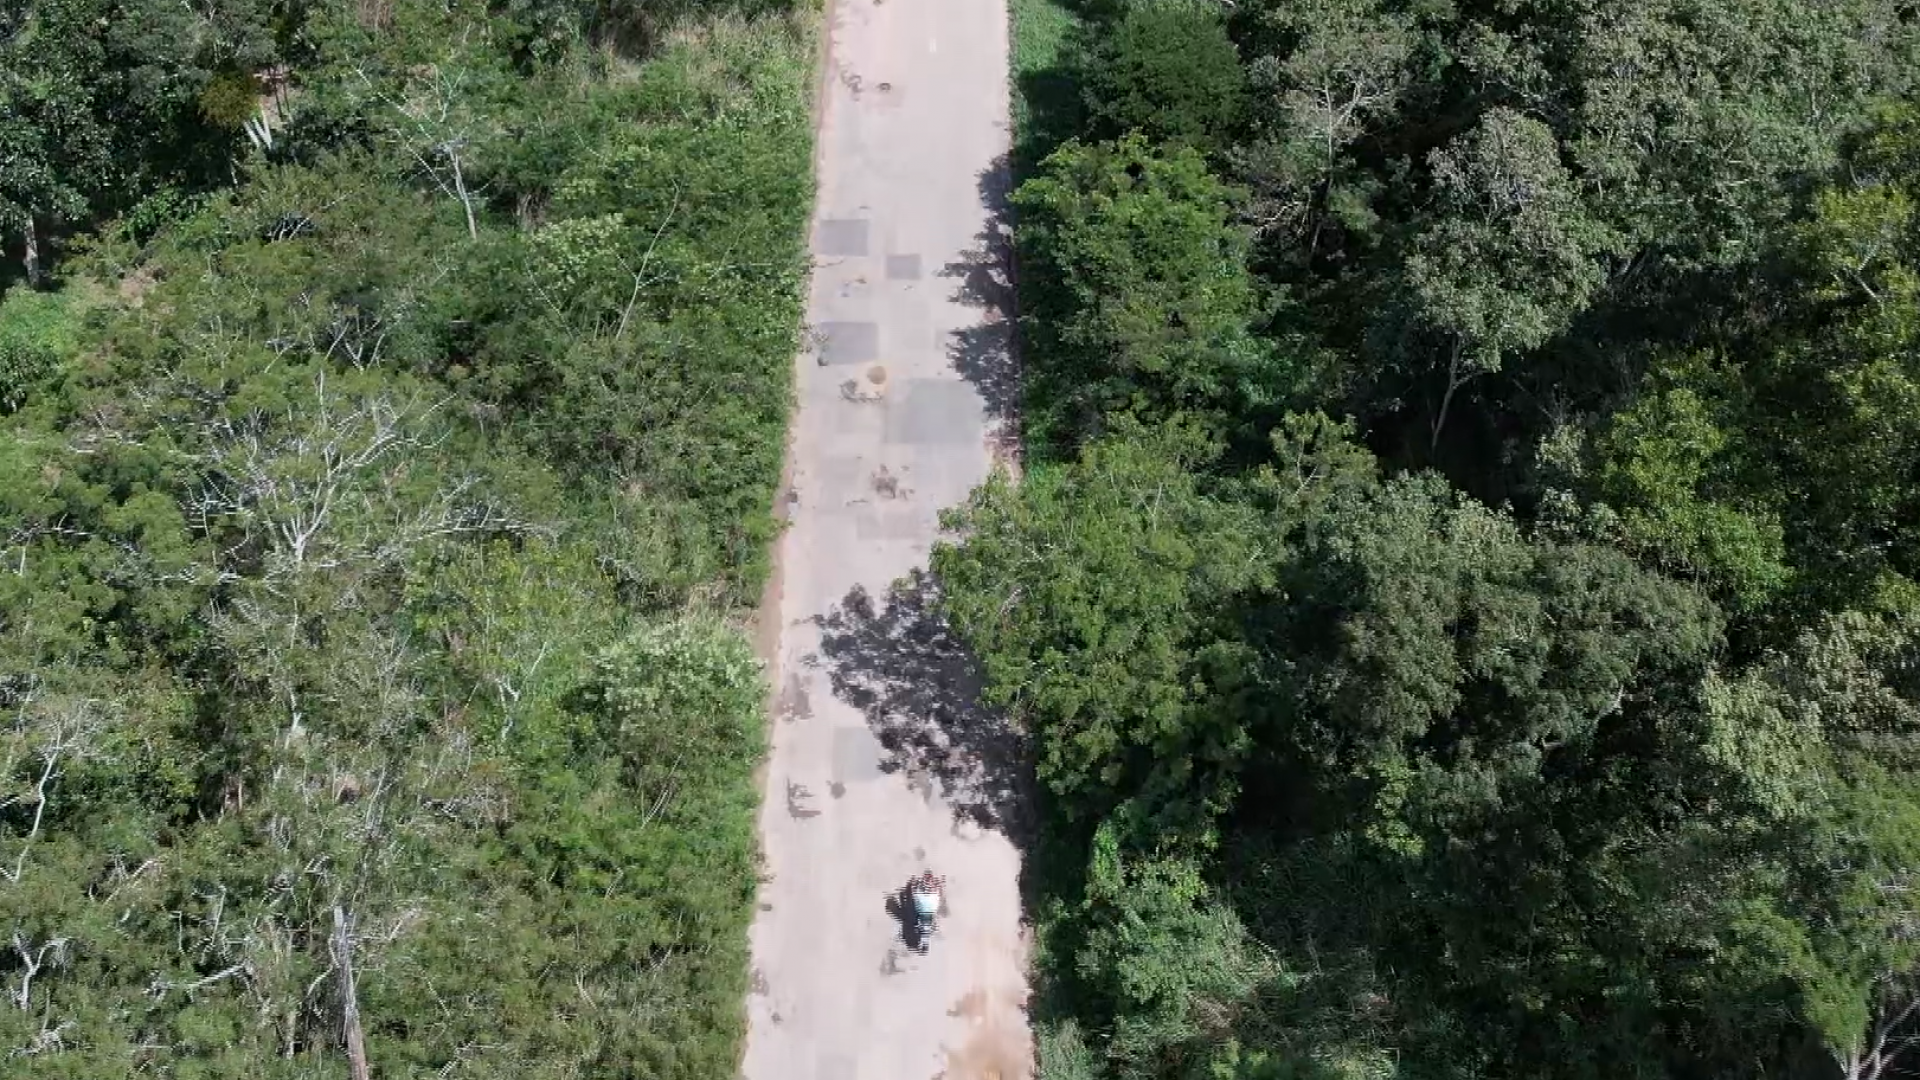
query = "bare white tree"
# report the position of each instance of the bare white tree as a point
(437, 118)
(49, 732)
(34, 955)
(342, 949)
(326, 484)
(51, 1038)
(1891, 1034)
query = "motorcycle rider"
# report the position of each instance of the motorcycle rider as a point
(926, 890)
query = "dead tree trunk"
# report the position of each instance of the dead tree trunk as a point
(1891, 1039)
(36, 275)
(460, 191)
(349, 998)
(1455, 380)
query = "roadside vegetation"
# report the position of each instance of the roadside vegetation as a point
(1465, 599)
(392, 395)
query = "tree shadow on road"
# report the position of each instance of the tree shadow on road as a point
(984, 354)
(919, 687)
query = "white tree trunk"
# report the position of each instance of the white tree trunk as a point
(1454, 381)
(465, 197)
(349, 996)
(36, 275)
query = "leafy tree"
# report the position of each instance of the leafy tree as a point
(1147, 304)
(1094, 593)
(1764, 92)
(1344, 72)
(99, 104)
(1465, 655)
(1172, 959)
(1816, 746)
(1512, 257)
(1672, 141)
(1166, 69)
(1778, 463)
(57, 152)
(1663, 457)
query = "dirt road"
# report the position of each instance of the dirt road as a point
(881, 764)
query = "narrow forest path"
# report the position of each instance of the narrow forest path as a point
(880, 762)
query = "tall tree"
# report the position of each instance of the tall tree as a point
(1146, 307)
(100, 103)
(1509, 258)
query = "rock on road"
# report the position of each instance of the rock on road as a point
(880, 762)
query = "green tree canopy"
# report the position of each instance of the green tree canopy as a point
(1146, 305)
(1167, 70)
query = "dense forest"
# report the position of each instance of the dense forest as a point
(392, 395)
(1464, 599)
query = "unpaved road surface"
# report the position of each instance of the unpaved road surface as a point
(881, 764)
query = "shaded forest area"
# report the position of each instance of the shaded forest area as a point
(392, 394)
(1464, 603)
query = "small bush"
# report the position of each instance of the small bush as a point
(38, 332)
